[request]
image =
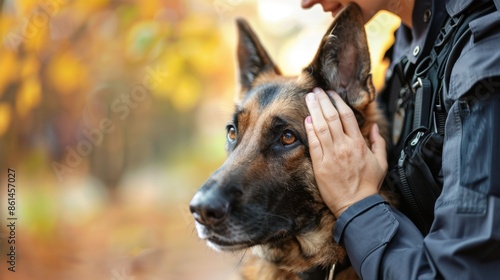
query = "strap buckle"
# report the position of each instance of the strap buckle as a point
(447, 30)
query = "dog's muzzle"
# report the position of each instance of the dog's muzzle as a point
(211, 208)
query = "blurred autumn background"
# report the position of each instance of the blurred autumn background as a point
(113, 113)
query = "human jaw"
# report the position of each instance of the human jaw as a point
(368, 7)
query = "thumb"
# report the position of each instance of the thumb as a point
(377, 143)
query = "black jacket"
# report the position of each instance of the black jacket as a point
(464, 241)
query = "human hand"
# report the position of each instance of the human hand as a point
(345, 168)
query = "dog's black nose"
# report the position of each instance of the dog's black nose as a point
(209, 210)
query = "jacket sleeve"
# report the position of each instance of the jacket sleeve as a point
(380, 241)
(464, 241)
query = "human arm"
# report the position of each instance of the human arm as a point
(464, 242)
(349, 174)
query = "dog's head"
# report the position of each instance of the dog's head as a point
(264, 195)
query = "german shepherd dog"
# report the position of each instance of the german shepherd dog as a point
(265, 196)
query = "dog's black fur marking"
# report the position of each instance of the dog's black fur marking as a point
(267, 93)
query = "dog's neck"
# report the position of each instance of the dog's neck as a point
(305, 251)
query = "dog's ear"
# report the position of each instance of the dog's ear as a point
(342, 62)
(253, 59)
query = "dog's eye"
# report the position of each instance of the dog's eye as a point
(288, 138)
(231, 133)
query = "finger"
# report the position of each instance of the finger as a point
(330, 114)
(378, 146)
(347, 117)
(319, 124)
(314, 145)
(306, 4)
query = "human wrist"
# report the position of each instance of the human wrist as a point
(341, 207)
(339, 211)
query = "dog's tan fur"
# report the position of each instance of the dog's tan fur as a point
(304, 241)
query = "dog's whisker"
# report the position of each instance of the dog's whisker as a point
(240, 262)
(276, 216)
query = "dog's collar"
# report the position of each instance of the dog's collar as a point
(331, 273)
(319, 273)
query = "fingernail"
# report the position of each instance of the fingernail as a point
(308, 119)
(311, 96)
(376, 128)
(317, 90)
(331, 93)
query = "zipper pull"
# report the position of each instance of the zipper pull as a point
(415, 140)
(402, 158)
